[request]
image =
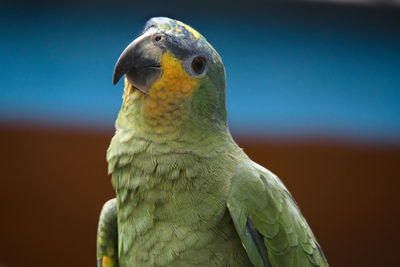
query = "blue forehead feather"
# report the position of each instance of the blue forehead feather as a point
(183, 42)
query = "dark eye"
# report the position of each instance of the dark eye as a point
(198, 65)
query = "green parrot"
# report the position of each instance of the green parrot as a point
(186, 193)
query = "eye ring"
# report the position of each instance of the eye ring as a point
(199, 65)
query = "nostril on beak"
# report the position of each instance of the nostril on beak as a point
(158, 38)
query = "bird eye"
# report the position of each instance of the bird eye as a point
(199, 65)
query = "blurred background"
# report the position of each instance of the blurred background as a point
(313, 94)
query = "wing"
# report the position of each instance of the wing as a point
(268, 221)
(107, 236)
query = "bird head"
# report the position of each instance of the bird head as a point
(173, 73)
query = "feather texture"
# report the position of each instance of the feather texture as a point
(186, 194)
(260, 203)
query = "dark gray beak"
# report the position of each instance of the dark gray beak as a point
(140, 62)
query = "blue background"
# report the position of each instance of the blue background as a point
(291, 71)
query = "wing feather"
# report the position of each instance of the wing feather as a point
(107, 236)
(269, 223)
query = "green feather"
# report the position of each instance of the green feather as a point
(186, 194)
(288, 241)
(107, 235)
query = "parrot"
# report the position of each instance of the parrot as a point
(186, 193)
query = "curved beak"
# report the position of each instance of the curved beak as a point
(140, 62)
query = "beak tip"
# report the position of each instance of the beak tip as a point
(116, 78)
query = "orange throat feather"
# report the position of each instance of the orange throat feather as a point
(168, 100)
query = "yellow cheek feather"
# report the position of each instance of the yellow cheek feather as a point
(171, 92)
(128, 91)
